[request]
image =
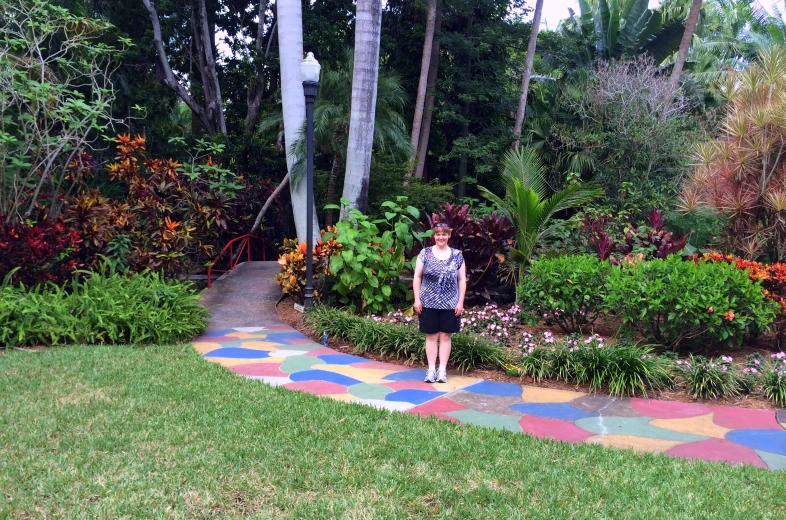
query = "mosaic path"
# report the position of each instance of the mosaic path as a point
(282, 356)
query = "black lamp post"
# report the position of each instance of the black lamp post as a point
(309, 73)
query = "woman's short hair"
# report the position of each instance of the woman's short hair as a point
(441, 226)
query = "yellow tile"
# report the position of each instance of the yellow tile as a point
(642, 444)
(533, 394)
(700, 425)
(347, 398)
(455, 383)
(230, 362)
(262, 345)
(203, 347)
(361, 374)
(247, 335)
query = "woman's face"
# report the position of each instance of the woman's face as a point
(441, 236)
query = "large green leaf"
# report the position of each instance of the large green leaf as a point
(613, 30)
(634, 21)
(602, 28)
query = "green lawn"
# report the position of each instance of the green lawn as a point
(158, 432)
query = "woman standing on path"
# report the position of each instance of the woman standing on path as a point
(439, 285)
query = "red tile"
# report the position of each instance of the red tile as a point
(716, 450)
(744, 418)
(299, 341)
(317, 387)
(437, 407)
(543, 427)
(259, 369)
(668, 409)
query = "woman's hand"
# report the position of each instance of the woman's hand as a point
(418, 306)
(459, 309)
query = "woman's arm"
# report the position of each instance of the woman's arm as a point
(462, 287)
(416, 281)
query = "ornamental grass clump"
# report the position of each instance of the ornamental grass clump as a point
(709, 378)
(622, 369)
(774, 379)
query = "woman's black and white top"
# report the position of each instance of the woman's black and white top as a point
(439, 289)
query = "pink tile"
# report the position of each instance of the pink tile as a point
(437, 407)
(258, 369)
(379, 365)
(668, 409)
(543, 427)
(317, 387)
(412, 385)
(716, 450)
(299, 341)
(744, 418)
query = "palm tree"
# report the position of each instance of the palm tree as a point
(420, 101)
(368, 26)
(687, 38)
(290, 43)
(332, 119)
(527, 203)
(533, 40)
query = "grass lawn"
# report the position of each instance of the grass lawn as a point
(158, 432)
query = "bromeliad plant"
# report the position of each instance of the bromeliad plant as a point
(527, 203)
(372, 257)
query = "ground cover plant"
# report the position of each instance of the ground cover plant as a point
(101, 307)
(158, 432)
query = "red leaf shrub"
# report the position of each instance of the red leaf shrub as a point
(42, 250)
(484, 243)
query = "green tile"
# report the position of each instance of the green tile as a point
(369, 391)
(635, 426)
(294, 364)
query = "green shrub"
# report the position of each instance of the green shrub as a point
(709, 378)
(568, 290)
(673, 302)
(401, 341)
(774, 379)
(368, 267)
(105, 307)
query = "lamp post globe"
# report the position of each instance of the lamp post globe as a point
(309, 73)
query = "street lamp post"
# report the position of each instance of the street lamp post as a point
(309, 73)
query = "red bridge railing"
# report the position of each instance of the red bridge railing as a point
(236, 255)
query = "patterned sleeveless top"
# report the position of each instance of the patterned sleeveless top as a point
(439, 289)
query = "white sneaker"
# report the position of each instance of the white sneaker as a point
(430, 376)
(442, 376)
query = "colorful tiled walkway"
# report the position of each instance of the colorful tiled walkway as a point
(281, 356)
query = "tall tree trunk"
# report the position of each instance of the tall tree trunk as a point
(368, 24)
(331, 189)
(463, 159)
(169, 78)
(255, 92)
(423, 81)
(682, 54)
(428, 109)
(290, 45)
(213, 101)
(533, 41)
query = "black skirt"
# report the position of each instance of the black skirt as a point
(432, 321)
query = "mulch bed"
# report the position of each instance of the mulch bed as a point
(294, 319)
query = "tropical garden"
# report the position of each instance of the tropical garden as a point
(617, 185)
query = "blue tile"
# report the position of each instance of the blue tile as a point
(341, 359)
(238, 353)
(324, 375)
(494, 388)
(773, 441)
(561, 411)
(413, 396)
(409, 375)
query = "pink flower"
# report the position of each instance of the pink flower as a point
(710, 310)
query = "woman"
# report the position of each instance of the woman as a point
(439, 285)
